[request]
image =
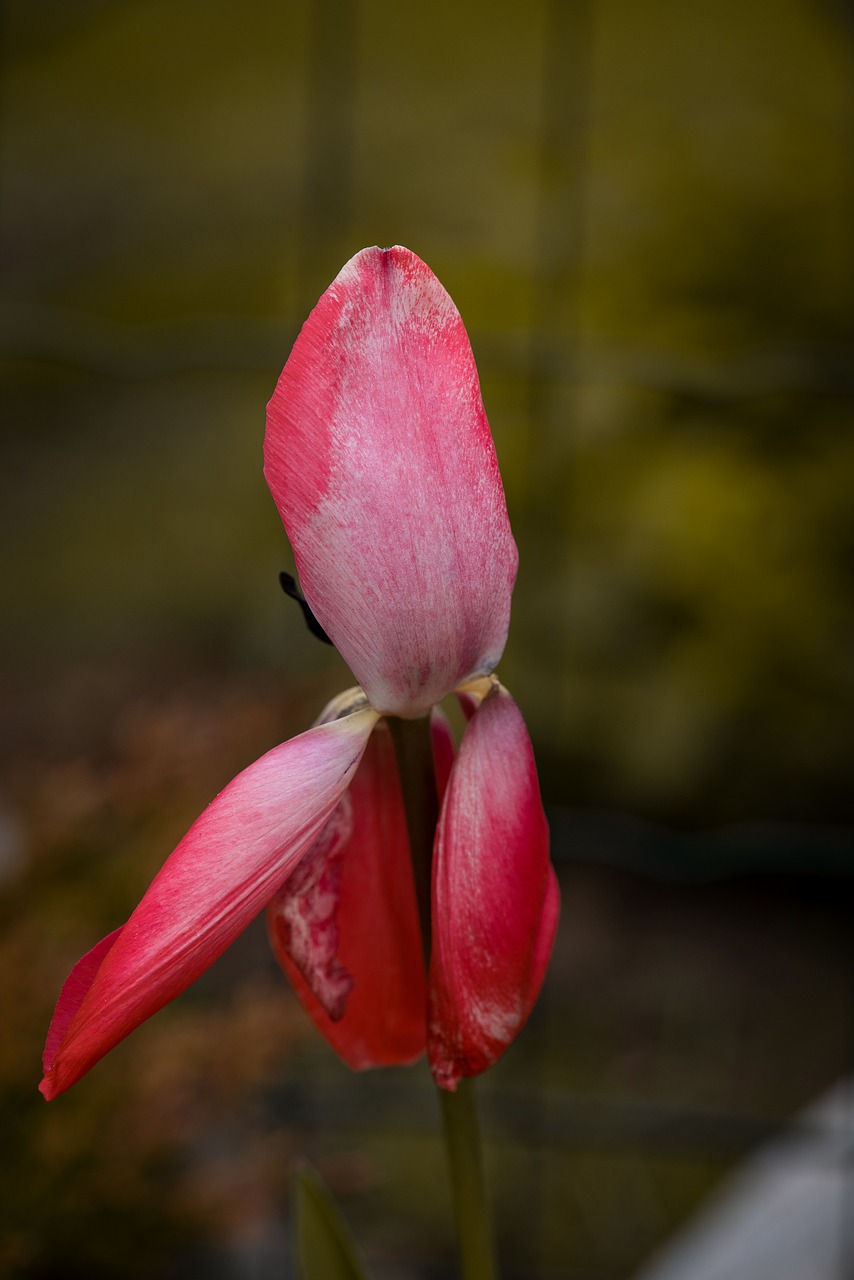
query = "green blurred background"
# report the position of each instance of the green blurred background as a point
(644, 213)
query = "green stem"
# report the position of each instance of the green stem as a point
(413, 744)
(468, 1187)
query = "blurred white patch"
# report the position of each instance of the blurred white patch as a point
(787, 1214)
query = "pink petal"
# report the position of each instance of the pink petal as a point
(495, 896)
(381, 462)
(229, 864)
(346, 932)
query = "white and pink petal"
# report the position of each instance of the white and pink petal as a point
(380, 459)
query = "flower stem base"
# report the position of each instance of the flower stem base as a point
(468, 1188)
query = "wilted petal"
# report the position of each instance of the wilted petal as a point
(380, 459)
(495, 897)
(303, 916)
(227, 867)
(346, 932)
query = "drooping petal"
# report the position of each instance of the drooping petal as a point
(346, 930)
(227, 867)
(380, 459)
(495, 896)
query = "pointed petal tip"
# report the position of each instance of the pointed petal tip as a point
(377, 257)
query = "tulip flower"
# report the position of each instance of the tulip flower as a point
(379, 457)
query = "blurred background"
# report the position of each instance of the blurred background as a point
(644, 213)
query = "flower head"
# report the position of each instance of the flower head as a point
(379, 457)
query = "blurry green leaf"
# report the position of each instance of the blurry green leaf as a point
(324, 1247)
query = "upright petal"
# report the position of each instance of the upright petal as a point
(495, 896)
(227, 867)
(344, 926)
(380, 459)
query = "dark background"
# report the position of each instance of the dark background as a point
(644, 214)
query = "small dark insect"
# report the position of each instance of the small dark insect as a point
(292, 591)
